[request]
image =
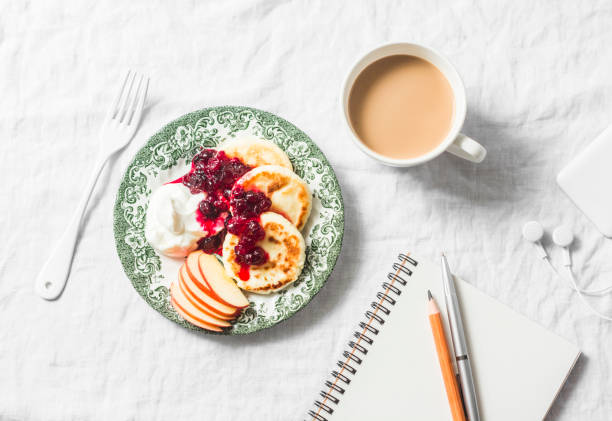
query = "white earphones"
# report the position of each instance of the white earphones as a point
(533, 232)
(562, 237)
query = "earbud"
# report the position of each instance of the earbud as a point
(533, 232)
(563, 237)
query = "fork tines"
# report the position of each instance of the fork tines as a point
(129, 101)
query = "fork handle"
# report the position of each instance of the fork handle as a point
(52, 278)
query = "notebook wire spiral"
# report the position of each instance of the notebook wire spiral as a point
(362, 339)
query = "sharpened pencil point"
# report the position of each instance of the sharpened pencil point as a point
(429, 295)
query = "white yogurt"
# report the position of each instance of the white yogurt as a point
(171, 225)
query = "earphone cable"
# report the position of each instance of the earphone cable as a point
(584, 300)
(574, 285)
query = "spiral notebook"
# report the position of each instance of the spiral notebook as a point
(390, 370)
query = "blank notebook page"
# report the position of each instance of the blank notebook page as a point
(518, 365)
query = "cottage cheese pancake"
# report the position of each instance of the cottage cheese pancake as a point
(255, 152)
(289, 194)
(286, 251)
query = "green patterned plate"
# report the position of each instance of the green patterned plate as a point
(167, 156)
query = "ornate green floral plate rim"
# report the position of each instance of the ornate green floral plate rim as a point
(167, 155)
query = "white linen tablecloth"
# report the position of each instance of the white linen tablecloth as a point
(539, 89)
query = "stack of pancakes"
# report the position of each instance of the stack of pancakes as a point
(273, 175)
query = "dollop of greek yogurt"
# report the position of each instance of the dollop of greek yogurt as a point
(171, 224)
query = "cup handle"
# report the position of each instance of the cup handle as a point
(467, 148)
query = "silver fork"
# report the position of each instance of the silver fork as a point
(116, 132)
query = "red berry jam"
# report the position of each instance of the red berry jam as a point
(215, 174)
(249, 203)
(211, 226)
(246, 206)
(212, 244)
(244, 273)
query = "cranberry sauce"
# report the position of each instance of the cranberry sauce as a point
(244, 273)
(178, 180)
(214, 173)
(213, 243)
(246, 206)
(211, 226)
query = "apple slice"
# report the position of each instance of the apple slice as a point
(193, 269)
(202, 300)
(189, 309)
(200, 307)
(219, 282)
(193, 320)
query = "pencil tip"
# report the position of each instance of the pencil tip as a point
(442, 254)
(429, 295)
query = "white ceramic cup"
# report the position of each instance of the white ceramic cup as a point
(454, 142)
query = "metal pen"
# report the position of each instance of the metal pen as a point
(462, 357)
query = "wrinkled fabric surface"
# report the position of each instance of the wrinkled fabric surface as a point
(537, 76)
